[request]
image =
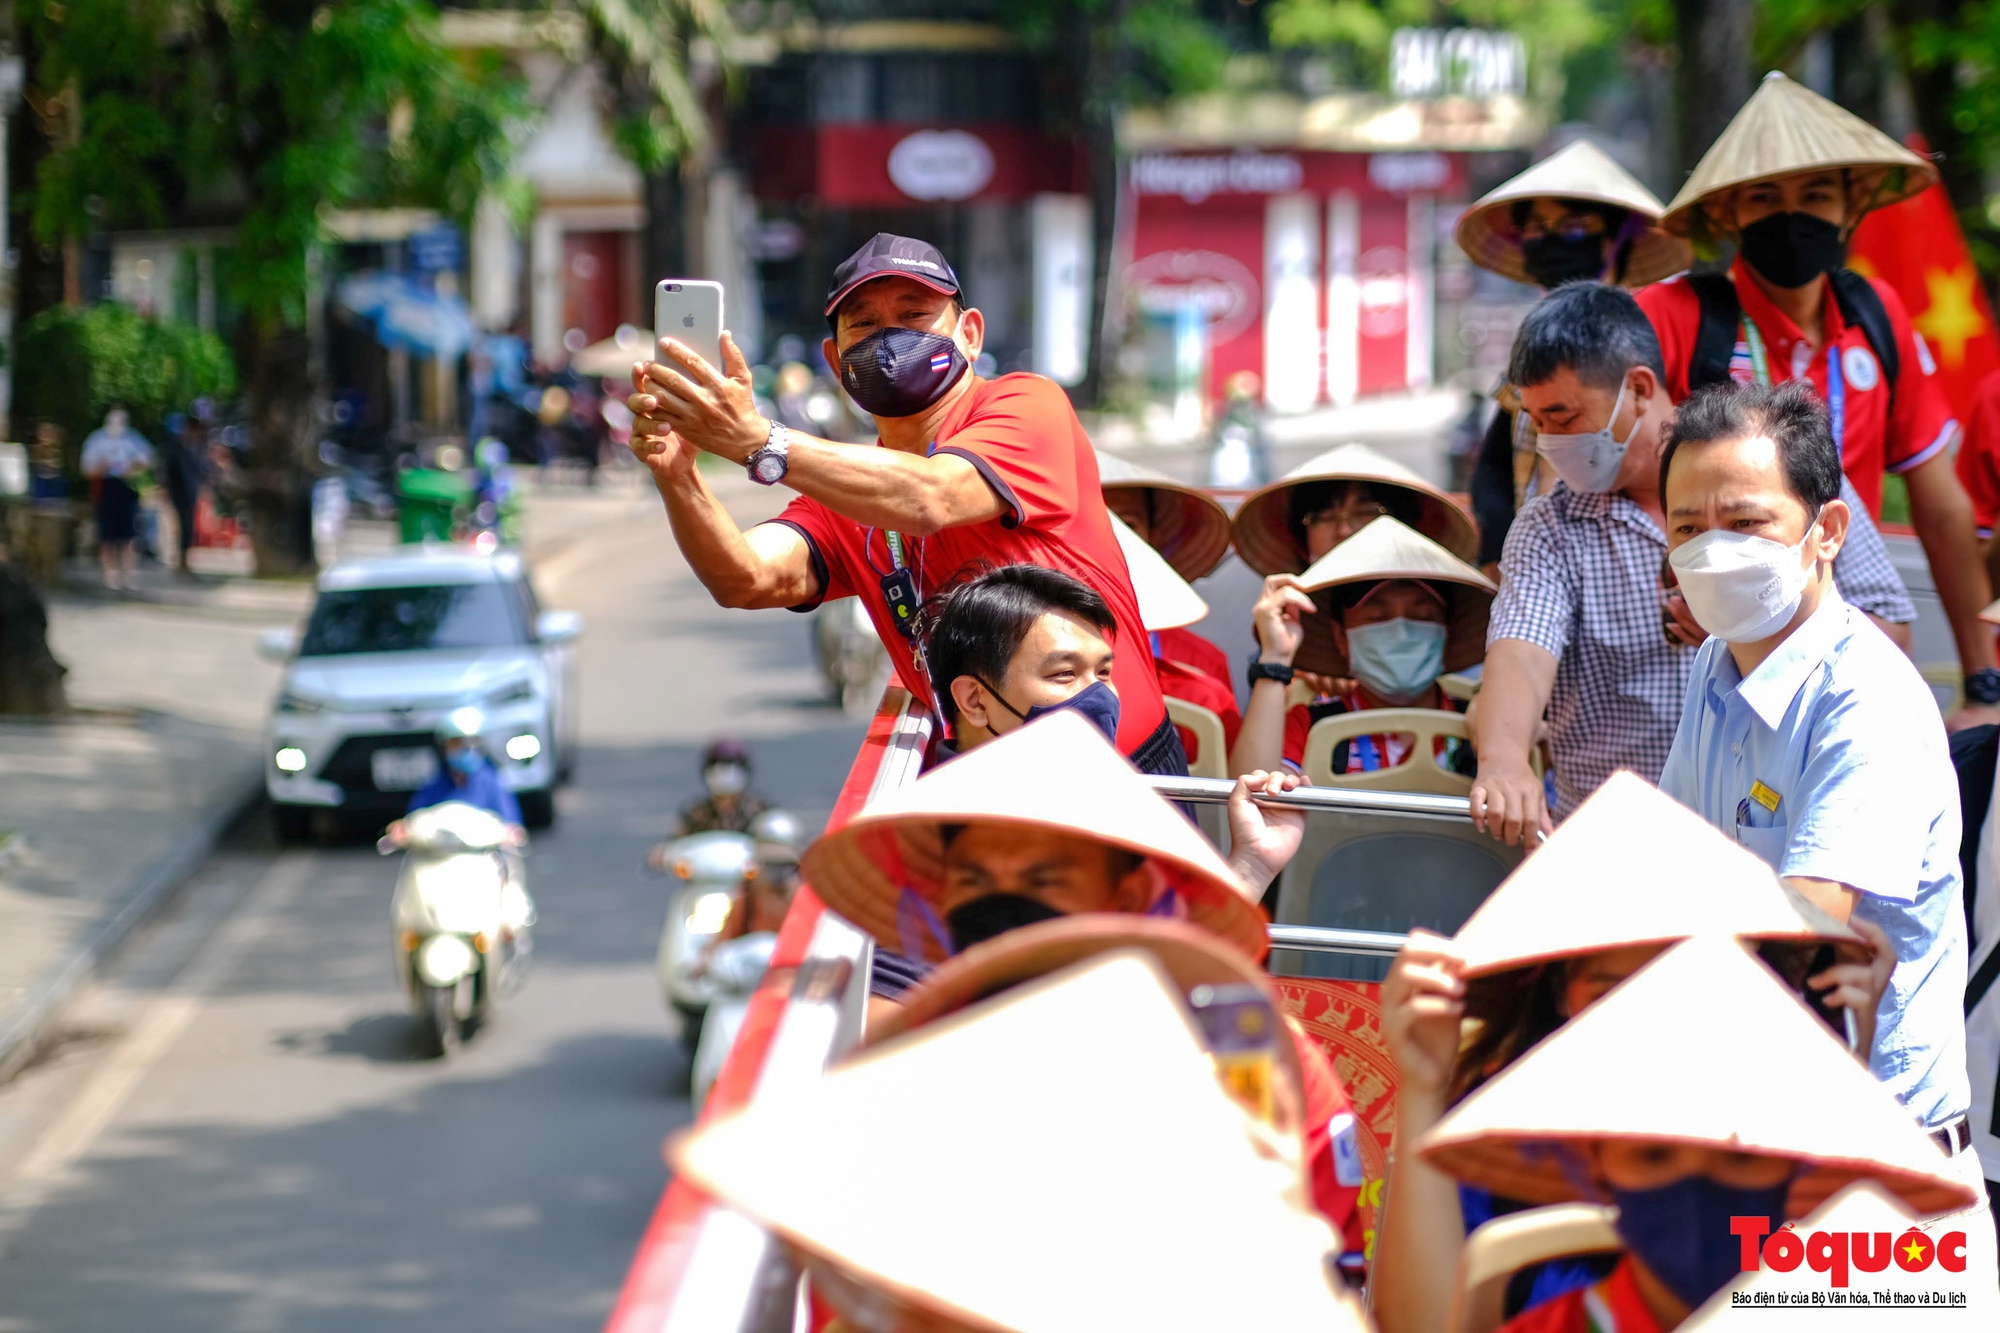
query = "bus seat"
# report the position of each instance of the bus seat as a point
(1419, 770)
(1458, 685)
(1504, 1246)
(1947, 681)
(1210, 760)
(1384, 872)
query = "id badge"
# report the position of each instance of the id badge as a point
(1242, 1033)
(899, 590)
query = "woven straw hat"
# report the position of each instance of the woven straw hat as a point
(1702, 1046)
(1585, 891)
(1100, 1176)
(1581, 171)
(1189, 526)
(1056, 773)
(1166, 600)
(1263, 528)
(1785, 129)
(1386, 549)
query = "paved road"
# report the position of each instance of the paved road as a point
(238, 1134)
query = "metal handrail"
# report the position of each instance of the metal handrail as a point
(1335, 939)
(1351, 800)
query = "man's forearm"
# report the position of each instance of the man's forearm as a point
(885, 488)
(1260, 741)
(715, 547)
(1511, 701)
(1942, 515)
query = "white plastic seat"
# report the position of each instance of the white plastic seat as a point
(1506, 1245)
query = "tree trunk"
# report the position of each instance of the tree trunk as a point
(1933, 90)
(663, 233)
(1714, 79)
(31, 680)
(277, 478)
(1103, 77)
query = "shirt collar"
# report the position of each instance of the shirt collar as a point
(1616, 505)
(1775, 324)
(1770, 689)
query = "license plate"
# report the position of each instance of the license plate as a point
(402, 769)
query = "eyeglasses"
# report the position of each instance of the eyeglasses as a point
(1357, 515)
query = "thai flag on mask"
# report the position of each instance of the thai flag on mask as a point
(941, 362)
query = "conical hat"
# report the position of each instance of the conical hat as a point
(1264, 532)
(1784, 129)
(1080, 1165)
(1386, 549)
(1190, 527)
(1057, 773)
(1166, 600)
(1702, 1046)
(1593, 886)
(1581, 171)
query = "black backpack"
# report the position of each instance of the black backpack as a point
(1715, 339)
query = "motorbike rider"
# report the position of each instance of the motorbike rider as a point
(467, 775)
(730, 804)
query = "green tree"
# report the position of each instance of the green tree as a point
(267, 114)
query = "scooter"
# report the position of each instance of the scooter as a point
(462, 917)
(849, 654)
(733, 971)
(705, 871)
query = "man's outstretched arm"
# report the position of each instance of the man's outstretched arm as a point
(768, 566)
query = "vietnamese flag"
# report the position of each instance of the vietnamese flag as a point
(1917, 248)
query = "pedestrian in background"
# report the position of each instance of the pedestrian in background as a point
(114, 457)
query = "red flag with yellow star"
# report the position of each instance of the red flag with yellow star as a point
(1917, 248)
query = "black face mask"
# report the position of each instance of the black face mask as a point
(995, 914)
(1791, 249)
(1553, 259)
(898, 372)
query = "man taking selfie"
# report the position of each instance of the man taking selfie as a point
(967, 472)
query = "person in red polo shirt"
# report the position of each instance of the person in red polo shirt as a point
(1786, 183)
(968, 472)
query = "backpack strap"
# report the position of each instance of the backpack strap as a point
(1715, 336)
(1861, 304)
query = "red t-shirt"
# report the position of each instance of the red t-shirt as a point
(1022, 435)
(1612, 1306)
(1979, 456)
(1190, 649)
(1870, 441)
(1181, 681)
(1333, 1162)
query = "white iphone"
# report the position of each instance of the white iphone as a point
(690, 312)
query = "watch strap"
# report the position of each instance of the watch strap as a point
(1983, 686)
(1261, 670)
(777, 444)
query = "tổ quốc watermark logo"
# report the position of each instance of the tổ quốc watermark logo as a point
(1905, 1268)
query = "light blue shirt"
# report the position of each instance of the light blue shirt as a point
(1845, 739)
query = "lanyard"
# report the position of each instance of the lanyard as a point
(1836, 385)
(1760, 368)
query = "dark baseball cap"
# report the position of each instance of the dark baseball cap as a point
(885, 254)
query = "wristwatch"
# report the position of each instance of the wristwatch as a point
(1260, 670)
(767, 467)
(1983, 686)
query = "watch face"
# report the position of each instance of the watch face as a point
(769, 469)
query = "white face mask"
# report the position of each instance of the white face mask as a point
(1741, 588)
(1589, 462)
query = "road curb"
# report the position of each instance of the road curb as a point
(28, 1028)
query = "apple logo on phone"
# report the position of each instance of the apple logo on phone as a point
(688, 320)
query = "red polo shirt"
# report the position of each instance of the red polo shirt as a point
(1612, 1306)
(1871, 441)
(1023, 436)
(1979, 456)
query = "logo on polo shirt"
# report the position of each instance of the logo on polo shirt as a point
(1861, 368)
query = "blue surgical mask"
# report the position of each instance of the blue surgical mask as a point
(1098, 703)
(464, 760)
(1589, 461)
(1397, 659)
(1681, 1231)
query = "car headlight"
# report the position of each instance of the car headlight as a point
(520, 692)
(290, 759)
(708, 912)
(523, 748)
(298, 703)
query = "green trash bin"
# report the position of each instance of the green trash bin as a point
(427, 502)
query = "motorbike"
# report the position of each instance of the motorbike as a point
(705, 871)
(849, 654)
(733, 970)
(462, 919)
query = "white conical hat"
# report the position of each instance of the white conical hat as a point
(1057, 772)
(1701, 1046)
(1166, 600)
(1784, 129)
(1263, 522)
(1387, 549)
(1189, 526)
(1080, 1168)
(1633, 866)
(1584, 171)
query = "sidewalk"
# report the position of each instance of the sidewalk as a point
(103, 814)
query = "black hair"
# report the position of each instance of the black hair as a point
(1598, 332)
(1123, 859)
(1612, 215)
(1313, 496)
(1791, 414)
(974, 628)
(1511, 1012)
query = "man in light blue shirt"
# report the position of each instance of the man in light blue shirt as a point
(1810, 738)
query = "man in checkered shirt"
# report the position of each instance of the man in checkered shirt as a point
(1582, 628)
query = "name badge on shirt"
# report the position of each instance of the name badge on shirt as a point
(1765, 797)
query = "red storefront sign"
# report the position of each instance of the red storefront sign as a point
(907, 166)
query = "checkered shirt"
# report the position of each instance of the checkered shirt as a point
(1580, 576)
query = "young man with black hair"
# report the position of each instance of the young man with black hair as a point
(1811, 740)
(1582, 627)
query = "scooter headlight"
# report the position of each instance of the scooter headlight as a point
(443, 959)
(708, 912)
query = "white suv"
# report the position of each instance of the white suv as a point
(394, 643)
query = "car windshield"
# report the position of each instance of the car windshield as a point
(401, 620)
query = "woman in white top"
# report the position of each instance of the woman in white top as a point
(112, 455)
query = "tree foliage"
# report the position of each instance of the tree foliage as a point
(1358, 32)
(645, 46)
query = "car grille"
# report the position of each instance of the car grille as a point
(349, 768)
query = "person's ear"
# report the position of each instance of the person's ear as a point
(831, 351)
(971, 332)
(1834, 521)
(970, 697)
(1645, 384)
(1339, 628)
